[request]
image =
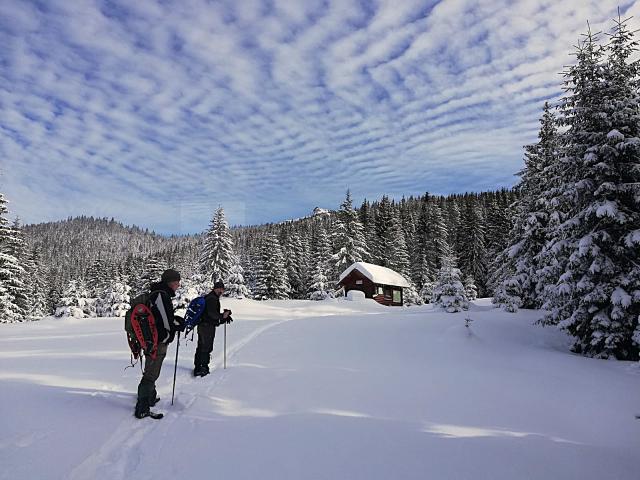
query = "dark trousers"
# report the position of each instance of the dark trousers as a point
(147, 388)
(206, 335)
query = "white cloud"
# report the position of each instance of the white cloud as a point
(154, 112)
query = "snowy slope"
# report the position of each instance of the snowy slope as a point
(321, 390)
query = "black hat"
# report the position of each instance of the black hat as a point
(170, 275)
(218, 284)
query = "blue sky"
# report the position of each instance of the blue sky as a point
(157, 112)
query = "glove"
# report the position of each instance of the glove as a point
(229, 319)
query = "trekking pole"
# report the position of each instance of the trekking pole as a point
(225, 346)
(175, 369)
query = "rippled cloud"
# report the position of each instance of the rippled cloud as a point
(157, 112)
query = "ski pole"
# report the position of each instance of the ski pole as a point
(175, 369)
(225, 346)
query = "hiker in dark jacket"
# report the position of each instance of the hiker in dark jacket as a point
(167, 325)
(211, 318)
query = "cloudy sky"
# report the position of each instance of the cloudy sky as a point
(155, 112)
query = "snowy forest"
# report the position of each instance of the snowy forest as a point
(565, 239)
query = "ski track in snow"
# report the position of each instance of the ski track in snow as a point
(119, 457)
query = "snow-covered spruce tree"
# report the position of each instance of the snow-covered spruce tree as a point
(426, 292)
(271, 280)
(216, 258)
(451, 212)
(449, 292)
(294, 263)
(235, 284)
(39, 287)
(434, 238)
(113, 300)
(305, 260)
(411, 296)
(97, 278)
(347, 238)
(384, 233)
(597, 297)
(499, 221)
(73, 301)
(473, 254)
(516, 268)
(367, 219)
(321, 286)
(398, 259)
(11, 272)
(470, 289)
(153, 267)
(133, 269)
(20, 284)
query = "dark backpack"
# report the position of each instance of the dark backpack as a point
(140, 325)
(194, 313)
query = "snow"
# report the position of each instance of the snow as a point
(356, 296)
(615, 135)
(377, 274)
(607, 208)
(321, 390)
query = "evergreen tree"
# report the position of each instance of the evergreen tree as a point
(321, 286)
(398, 254)
(294, 263)
(153, 267)
(12, 290)
(347, 237)
(411, 296)
(235, 285)
(271, 281)
(470, 289)
(39, 304)
(217, 254)
(473, 254)
(515, 269)
(384, 233)
(597, 298)
(114, 300)
(97, 278)
(449, 292)
(20, 284)
(73, 301)
(367, 219)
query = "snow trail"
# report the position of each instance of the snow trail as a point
(120, 456)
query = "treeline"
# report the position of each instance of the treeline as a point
(90, 266)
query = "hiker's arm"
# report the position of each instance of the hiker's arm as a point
(213, 310)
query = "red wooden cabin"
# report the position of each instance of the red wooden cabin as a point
(380, 283)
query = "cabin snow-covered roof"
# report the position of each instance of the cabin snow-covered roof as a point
(377, 274)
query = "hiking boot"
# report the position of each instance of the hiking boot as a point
(141, 411)
(149, 413)
(201, 371)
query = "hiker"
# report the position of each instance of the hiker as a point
(211, 318)
(167, 325)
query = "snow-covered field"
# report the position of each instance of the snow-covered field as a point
(326, 390)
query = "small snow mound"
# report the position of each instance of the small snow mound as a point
(355, 296)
